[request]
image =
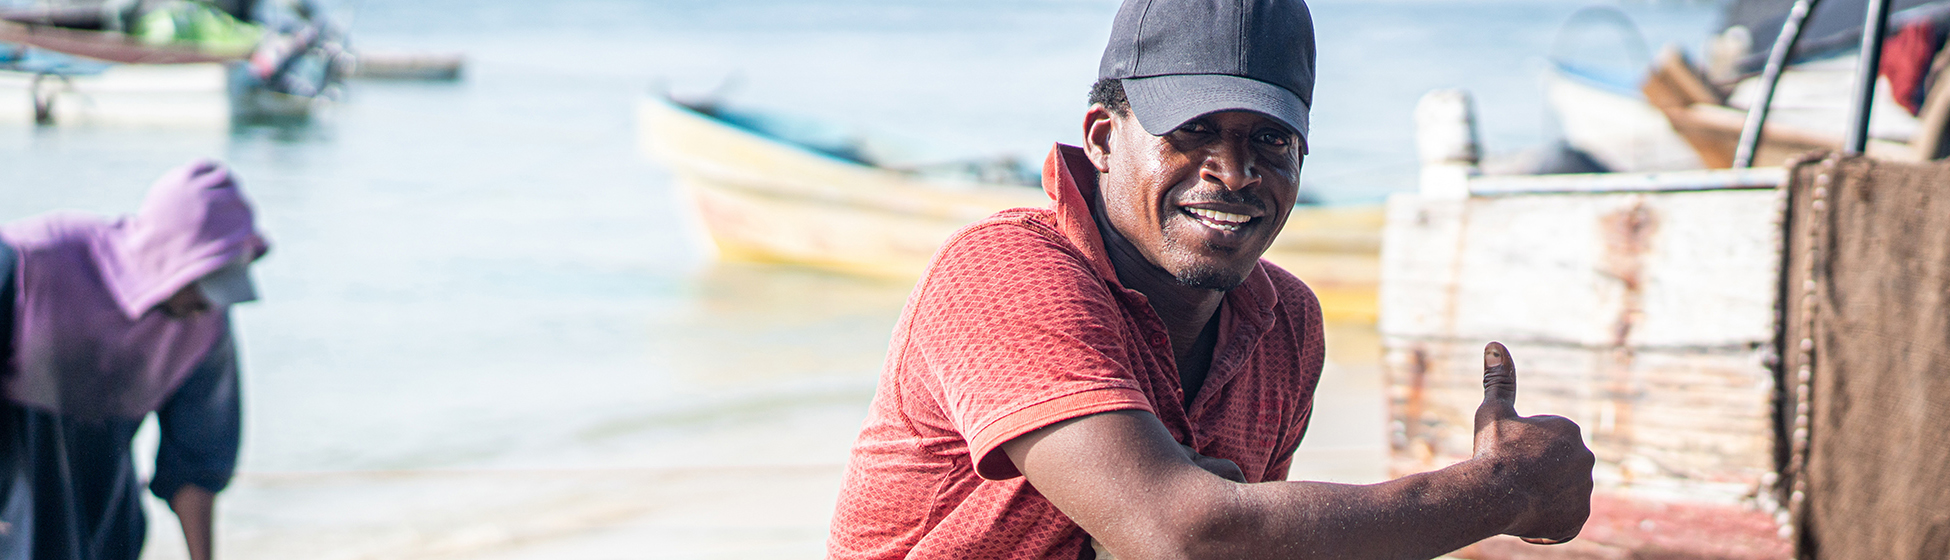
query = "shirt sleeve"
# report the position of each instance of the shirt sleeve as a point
(1282, 465)
(201, 426)
(1020, 334)
(1302, 311)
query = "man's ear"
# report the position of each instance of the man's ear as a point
(1098, 124)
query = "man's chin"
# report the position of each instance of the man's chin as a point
(1214, 278)
(1209, 266)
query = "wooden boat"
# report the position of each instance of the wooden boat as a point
(764, 198)
(423, 66)
(1613, 124)
(121, 83)
(1809, 109)
(1640, 305)
(1674, 120)
(1682, 116)
(109, 78)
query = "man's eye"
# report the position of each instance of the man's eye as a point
(1195, 127)
(1273, 138)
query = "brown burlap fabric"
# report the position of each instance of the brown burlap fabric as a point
(1866, 299)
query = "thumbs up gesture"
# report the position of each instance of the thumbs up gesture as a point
(1543, 457)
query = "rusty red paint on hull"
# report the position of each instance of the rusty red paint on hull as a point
(1625, 528)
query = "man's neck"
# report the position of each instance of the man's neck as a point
(1185, 310)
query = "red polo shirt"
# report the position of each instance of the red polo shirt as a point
(1020, 323)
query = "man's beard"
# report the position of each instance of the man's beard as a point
(1214, 278)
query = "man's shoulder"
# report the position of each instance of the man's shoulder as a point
(1013, 238)
(1032, 222)
(1018, 258)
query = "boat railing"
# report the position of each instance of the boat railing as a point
(1451, 156)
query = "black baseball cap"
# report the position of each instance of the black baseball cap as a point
(1179, 59)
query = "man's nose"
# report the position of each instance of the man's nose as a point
(1232, 163)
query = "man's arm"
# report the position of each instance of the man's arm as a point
(1122, 477)
(201, 427)
(193, 506)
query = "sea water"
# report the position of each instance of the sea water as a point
(491, 329)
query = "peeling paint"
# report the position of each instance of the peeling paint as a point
(1627, 234)
(1415, 403)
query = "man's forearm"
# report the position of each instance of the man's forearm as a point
(195, 508)
(1123, 478)
(1182, 511)
(1419, 516)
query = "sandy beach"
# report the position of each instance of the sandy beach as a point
(733, 509)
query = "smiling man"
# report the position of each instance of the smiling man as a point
(1121, 374)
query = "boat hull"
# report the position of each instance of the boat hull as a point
(1618, 129)
(160, 95)
(1644, 311)
(763, 200)
(142, 85)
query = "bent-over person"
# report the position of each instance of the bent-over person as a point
(107, 321)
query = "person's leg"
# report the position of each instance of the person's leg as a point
(123, 527)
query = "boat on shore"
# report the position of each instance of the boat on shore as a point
(768, 191)
(1642, 303)
(1639, 305)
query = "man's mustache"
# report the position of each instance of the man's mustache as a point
(1226, 196)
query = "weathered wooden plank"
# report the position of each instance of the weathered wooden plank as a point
(1690, 269)
(1645, 317)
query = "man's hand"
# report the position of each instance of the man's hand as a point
(195, 509)
(1547, 463)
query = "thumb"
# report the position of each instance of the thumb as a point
(1499, 383)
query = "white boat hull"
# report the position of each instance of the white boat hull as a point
(1620, 131)
(142, 95)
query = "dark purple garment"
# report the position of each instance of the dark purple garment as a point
(98, 358)
(89, 342)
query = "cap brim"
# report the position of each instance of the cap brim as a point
(229, 285)
(1163, 103)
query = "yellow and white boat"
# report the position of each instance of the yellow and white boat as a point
(766, 199)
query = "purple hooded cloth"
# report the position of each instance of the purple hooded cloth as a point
(89, 340)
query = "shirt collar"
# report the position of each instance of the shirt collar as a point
(1070, 180)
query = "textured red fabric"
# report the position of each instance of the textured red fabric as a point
(1020, 323)
(1906, 62)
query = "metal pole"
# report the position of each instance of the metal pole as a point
(1865, 77)
(1743, 153)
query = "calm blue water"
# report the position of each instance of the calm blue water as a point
(491, 274)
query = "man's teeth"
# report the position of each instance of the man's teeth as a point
(1220, 220)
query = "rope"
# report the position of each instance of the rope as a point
(1794, 516)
